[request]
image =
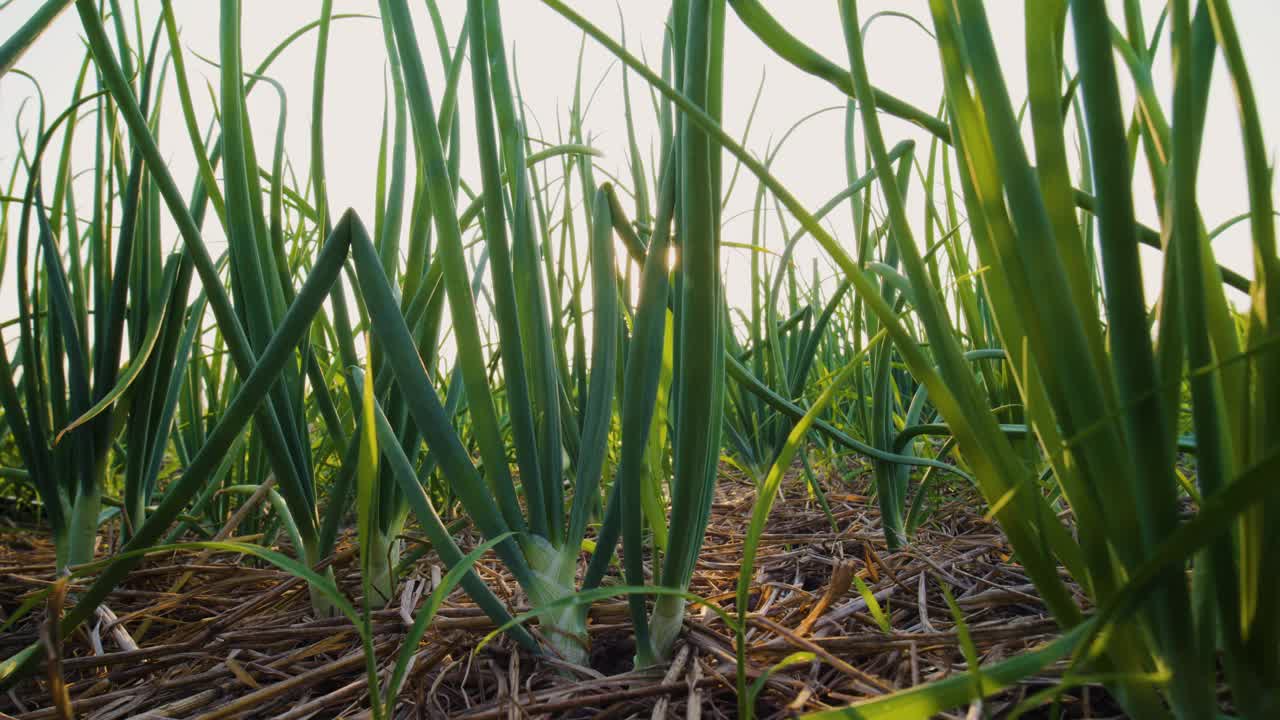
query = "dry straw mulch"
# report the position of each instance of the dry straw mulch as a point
(237, 639)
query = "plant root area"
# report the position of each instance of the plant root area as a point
(205, 635)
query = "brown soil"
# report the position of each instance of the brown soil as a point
(237, 640)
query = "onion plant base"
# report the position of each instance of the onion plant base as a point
(384, 557)
(665, 625)
(82, 540)
(555, 578)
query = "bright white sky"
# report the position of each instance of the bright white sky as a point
(901, 56)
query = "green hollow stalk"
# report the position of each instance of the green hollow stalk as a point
(699, 397)
(25, 36)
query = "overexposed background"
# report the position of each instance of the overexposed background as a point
(901, 56)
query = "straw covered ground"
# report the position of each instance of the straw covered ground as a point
(225, 639)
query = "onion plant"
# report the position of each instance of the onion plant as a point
(16, 44)
(543, 554)
(88, 294)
